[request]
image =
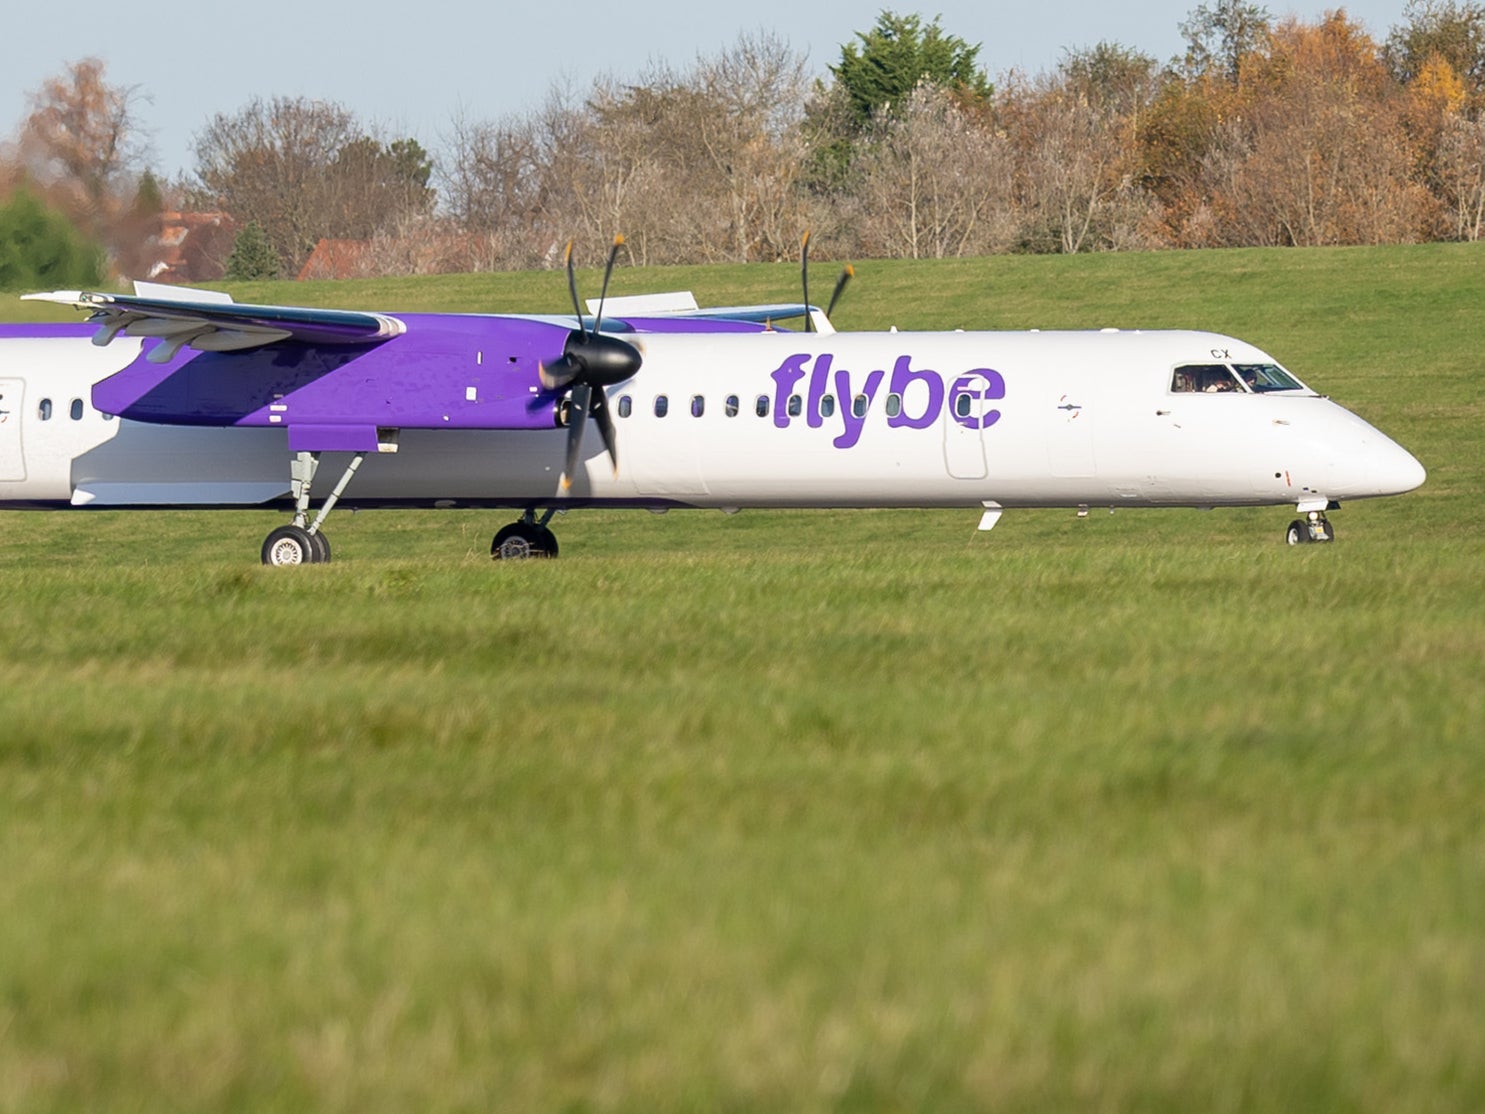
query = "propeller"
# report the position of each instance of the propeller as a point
(589, 362)
(846, 275)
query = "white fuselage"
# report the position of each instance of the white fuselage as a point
(852, 419)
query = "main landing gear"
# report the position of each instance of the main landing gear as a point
(527, 537)
(1314, 527)
(301, 542)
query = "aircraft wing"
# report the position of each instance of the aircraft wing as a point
(214, 323)
(757, 314)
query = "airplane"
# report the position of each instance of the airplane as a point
(183, 398)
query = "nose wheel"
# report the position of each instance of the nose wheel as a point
(1314, 527)
(524, 538)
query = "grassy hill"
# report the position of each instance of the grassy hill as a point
(808, 811)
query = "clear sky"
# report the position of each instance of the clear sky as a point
(411, 67)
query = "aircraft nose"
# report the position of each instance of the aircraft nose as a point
(1395, 470)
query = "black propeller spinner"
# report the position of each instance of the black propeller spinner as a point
(589, 362)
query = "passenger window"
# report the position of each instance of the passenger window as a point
(626, 406)
(75, 411)
(962, 405)
(894, 405)
(662, 406)
(796, 406)
(861, 402)
(44, 410)
(761, 406)
(731, 406)
(698, 406)
(827, 405)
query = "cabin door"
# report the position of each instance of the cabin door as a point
(12, 458)
(971, 405)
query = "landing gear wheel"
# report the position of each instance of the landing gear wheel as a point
(290, 545)
(1313, 528)
(520, 540)
(322, 548)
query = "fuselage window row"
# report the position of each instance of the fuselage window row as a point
(732, 406)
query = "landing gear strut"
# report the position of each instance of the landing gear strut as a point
(301, 542)
(1314, 527)
(525, 538)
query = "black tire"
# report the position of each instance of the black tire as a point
(322, 548)
(521, 540)
(547, 542)
(289, 545)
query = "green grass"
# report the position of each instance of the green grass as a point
(811, 811)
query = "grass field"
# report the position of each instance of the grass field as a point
(856, 811)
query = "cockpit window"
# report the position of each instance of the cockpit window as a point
(1262, 378)
(1203, 379)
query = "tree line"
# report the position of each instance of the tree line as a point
(1263, 131)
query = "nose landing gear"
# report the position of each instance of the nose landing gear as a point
(1314, 527)
(525, 538)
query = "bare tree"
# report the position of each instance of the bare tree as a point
(933, 183)
(1461, 174)
(305, 169)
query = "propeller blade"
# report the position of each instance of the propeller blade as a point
(608, 270)
(577, 420)
(572, 289)
(606, 427)
(847, 274)
(804, 276)
(559, 373)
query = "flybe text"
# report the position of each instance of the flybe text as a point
(922, 395)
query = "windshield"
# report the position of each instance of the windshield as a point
(1220, 378)
(1262, 378)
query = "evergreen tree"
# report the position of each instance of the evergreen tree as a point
(40, 249)
(877, 77)
(253, 256)
(898, 55)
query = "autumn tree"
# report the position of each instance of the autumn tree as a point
(82, 134)
(1319, 154)
(1451, 32)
